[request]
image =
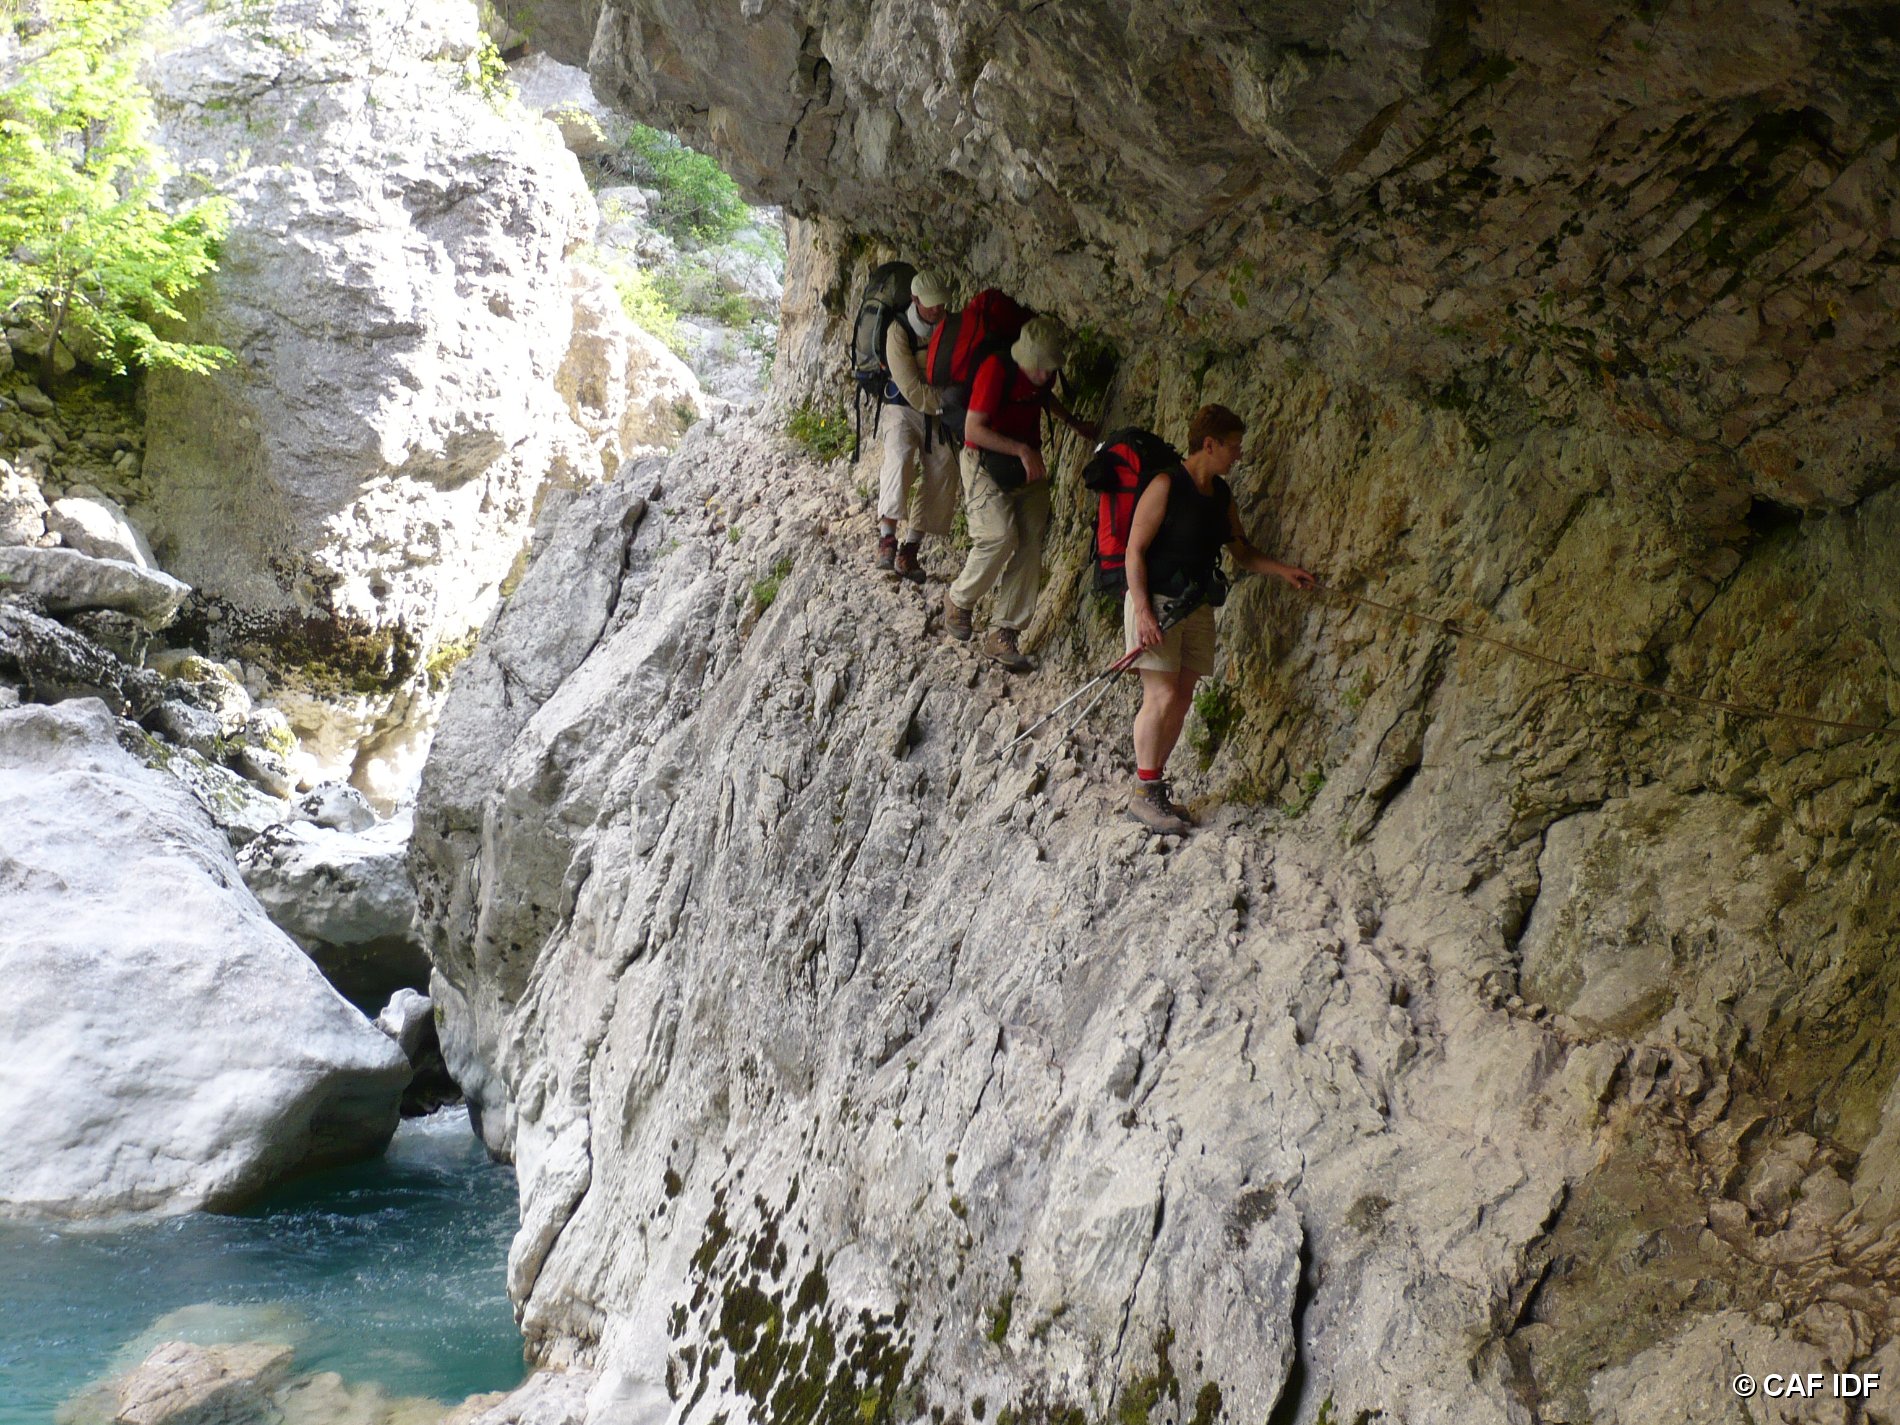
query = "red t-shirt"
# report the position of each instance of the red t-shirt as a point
(1016, 414)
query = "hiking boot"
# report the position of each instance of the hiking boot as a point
(886, 551)
(999, 645)
(907, 566)
(1150, 806)
(956, 620)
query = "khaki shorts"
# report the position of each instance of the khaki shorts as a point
(1189, 644)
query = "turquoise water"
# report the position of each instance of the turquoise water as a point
(390, 1272)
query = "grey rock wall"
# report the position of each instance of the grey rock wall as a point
(1520, 1040)
(806, 1020)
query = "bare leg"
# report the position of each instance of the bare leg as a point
(1165, 700)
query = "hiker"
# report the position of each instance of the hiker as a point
(1181, 521)
(918, 486)
(1006, 487)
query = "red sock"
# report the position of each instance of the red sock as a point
(1148, 774)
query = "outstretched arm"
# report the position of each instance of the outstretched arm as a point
(1249, 557)
(1086, 429)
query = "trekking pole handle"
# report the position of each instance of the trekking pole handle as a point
(1120, 665)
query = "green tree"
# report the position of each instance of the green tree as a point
(87, 246)
(698, 201)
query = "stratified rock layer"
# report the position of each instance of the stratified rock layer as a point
(169, 1048)
(1679, 218)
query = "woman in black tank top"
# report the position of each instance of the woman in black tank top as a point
(1182, 521)
(1197, 525)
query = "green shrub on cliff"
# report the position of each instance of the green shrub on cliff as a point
(824, 431)
(698, 201)
(88, 254)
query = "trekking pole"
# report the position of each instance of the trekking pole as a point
(1173, 616)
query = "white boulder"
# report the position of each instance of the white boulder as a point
(98, 526)
(564, 95)
(22, 508)
(68, 581)
(396, 280)
(630, 394)
(185, 1384)
(168, 1047)
(346, 898)
(408, 1019)
(338, 805)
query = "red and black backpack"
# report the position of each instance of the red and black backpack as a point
(1123, 464)
(988, 323)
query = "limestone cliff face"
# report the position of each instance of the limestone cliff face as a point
(416, 356)
(1677, 218)
(1508, 1046)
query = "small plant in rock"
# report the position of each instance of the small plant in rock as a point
(1216, 710)
(766, 590)
(486, 72)
(90, 253)
(1091, 365)
(823, 431)
(641, 298)
(1309, 789)
(762, 340)
(446, 657)
(1355, 697)
(1001, 1316)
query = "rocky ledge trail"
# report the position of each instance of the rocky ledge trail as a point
(851, 1071)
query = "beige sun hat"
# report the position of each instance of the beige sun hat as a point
(1042, 345)
(928, 288)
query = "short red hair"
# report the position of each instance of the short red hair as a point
(1213, 423)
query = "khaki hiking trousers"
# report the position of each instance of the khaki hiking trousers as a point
(1006, 530)
(916, 487)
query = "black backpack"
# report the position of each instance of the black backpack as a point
(1123, 464)
(886, 299)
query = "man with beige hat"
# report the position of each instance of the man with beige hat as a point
(1006, 487)
(918, 485)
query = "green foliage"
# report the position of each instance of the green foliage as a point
(1145, 1392)
(1207, 1405)
(1000, 1317)
(697, 201)
(446, 657)
(689, 284)
(1090, 366)
(766, 590)
(86, 249)
(1355, 697)
(1216, 710)
(824, 432)
(1238, 283)
(486, 72)
(645, 303)
(1310, 786)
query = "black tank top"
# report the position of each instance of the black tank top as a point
(1186, 549)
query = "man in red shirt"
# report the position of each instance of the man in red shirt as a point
(1006, 487)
